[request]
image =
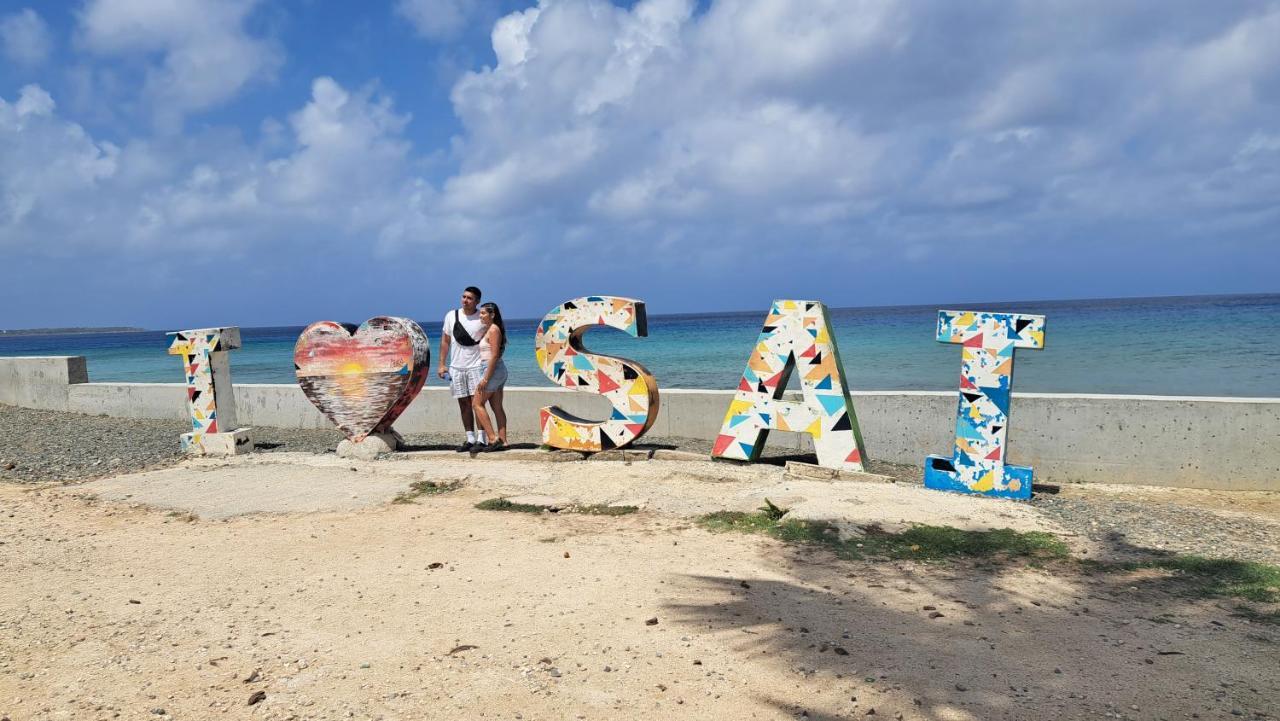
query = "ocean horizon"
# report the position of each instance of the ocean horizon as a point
(1220, 345)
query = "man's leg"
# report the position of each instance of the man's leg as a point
(468, 422)
(462, 393)
(471, 379)
(468, 417)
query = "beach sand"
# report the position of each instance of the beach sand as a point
(158, 595)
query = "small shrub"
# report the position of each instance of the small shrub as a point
(772, 512)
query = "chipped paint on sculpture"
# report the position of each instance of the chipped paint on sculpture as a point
(211, 400)
(362, 379)
(796, 332)
(630, 388)
(977, 461)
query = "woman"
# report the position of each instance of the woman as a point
(493, 377)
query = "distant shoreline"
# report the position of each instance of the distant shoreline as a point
(70, 331)
(746, 313)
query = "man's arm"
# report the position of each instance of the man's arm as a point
(444, 355)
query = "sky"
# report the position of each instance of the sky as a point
(186, 163)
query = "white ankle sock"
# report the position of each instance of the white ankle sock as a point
(471, 437)
(480, 437)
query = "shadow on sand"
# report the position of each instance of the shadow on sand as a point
(987, 639)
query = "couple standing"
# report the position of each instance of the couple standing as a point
(471, 346)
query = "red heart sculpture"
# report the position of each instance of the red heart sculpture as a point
(362, 380)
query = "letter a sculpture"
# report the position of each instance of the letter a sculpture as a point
(977, 462)
(630, 388)
(796, 332)
(211, 399)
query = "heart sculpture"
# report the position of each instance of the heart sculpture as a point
(362, 379)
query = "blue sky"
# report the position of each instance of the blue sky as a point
(180, 163)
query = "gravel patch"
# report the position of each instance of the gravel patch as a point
(1131, 529)
(38, 446)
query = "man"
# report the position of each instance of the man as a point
(460, 361)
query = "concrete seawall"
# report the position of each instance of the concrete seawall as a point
(1222, 443)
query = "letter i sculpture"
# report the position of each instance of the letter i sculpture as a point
(977, 462)
(211, 399)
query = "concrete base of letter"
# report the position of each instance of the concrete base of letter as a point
(373, 445)
(234, 443)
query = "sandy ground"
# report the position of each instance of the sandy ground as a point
(295, 482)
(158, 595)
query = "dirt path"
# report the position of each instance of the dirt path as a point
(439, 610)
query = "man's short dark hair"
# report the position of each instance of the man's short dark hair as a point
(473, 291)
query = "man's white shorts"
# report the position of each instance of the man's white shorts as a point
(463, 381)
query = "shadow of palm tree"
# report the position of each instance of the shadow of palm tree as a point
(981, 640)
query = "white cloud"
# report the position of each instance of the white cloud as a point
(51, 168)
(511, 37)
(651, 112)
(25, 38)
(436, 19)
(33, 100)
(1259, 144)
(863, 129)
(342, 175)
(206, 56)
(903, 120)
(345, 142)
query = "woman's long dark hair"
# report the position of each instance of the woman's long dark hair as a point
(497, 320)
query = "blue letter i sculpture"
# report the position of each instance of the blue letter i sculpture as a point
(977, 462)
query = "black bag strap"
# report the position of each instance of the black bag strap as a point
(460, 333)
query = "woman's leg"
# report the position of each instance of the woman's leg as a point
(482, 416)
(500, 415)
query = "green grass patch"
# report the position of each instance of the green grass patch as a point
(932, 543)
(1197, 575)
(790, 530)
(1193, 575)
(426, 488)
(1219, 577)
(601, 510)
(927, 543)
(502, 504)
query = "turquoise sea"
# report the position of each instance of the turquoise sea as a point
(1195, 346)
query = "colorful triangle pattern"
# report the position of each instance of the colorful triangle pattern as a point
(988, 341)
(796, 335)
(628, 386)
